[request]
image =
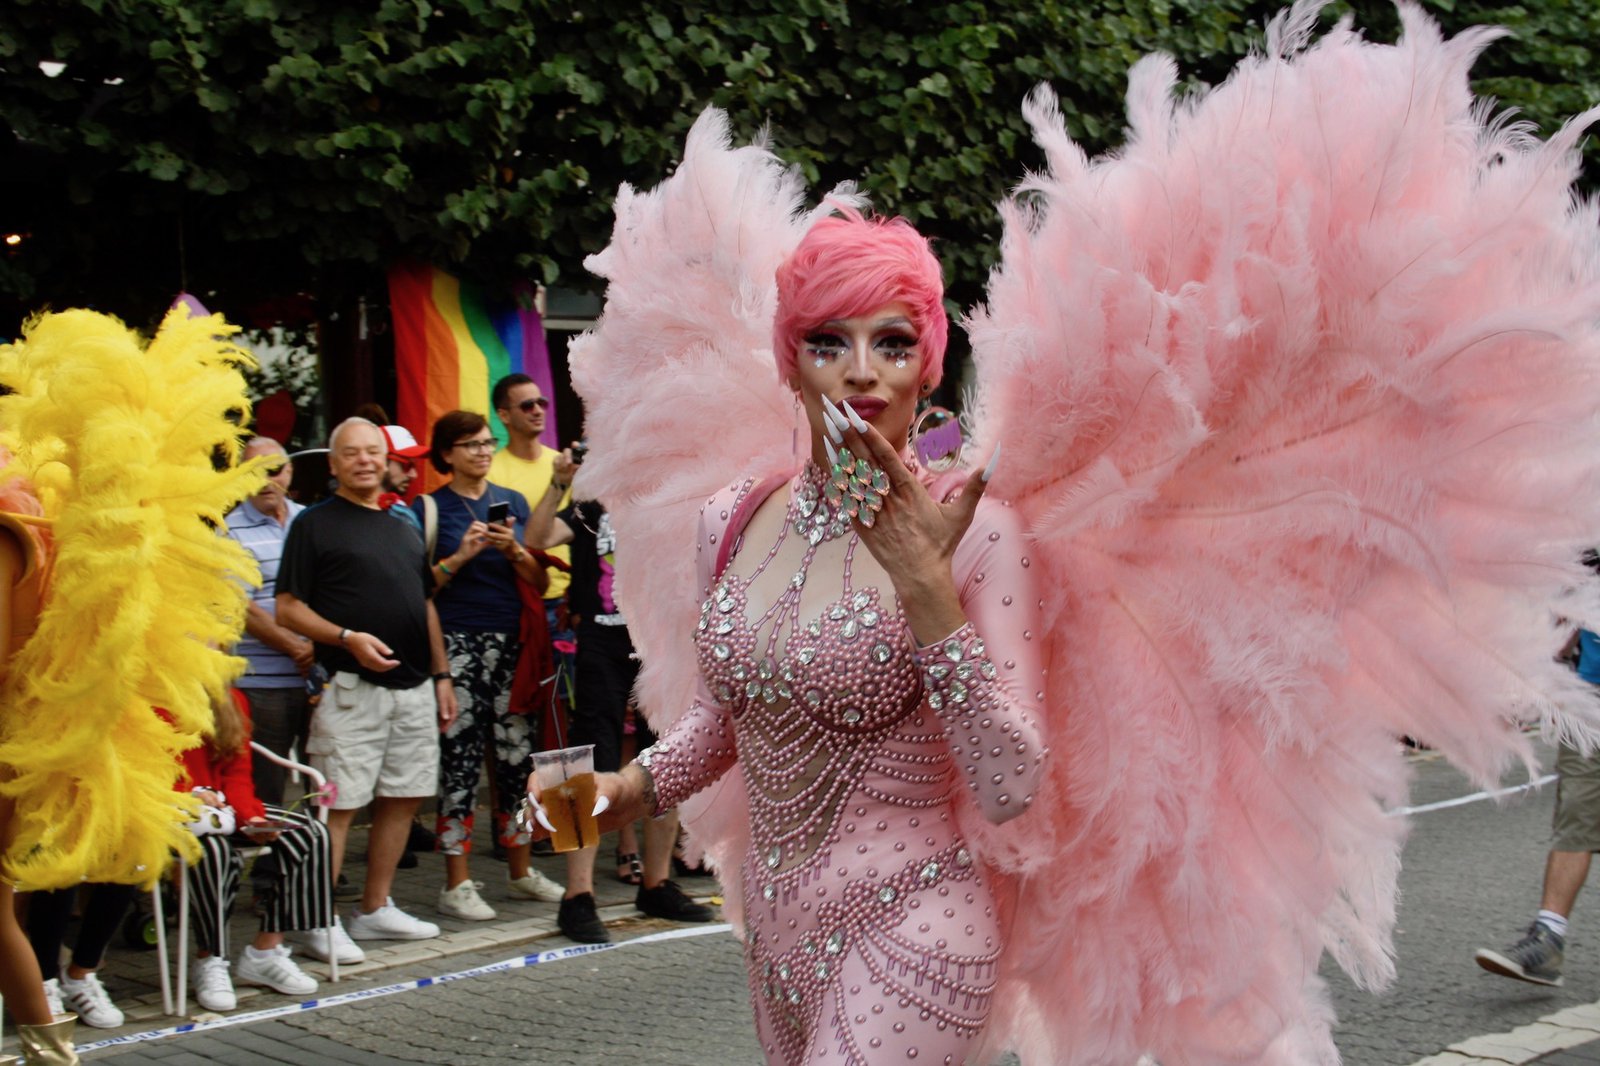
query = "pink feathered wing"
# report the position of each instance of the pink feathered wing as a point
(681, 398)
(1316, 354)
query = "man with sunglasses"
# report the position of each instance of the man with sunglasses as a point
(399, 473)
(525, 464)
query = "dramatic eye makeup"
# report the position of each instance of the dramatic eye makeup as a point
(825, 346)
(895, 339)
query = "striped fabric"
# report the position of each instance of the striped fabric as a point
(263, 538)
(451, 345)
(300, 897)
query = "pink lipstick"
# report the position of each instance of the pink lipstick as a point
(868, 407)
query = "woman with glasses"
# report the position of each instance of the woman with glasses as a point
(477, 528)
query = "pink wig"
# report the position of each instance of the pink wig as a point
(847, 266)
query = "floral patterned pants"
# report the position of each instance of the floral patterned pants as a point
(483, 665)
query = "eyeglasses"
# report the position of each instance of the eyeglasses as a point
(527, 406)
(475, 445)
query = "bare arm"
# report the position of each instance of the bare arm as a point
(296, 614)
(11, 564)
(444, 689)
(261, 625)
(545, 530)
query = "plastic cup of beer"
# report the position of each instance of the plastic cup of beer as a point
(565, 782)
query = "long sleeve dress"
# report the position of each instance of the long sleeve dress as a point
(872, 934)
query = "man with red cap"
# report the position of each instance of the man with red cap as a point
(404, 451)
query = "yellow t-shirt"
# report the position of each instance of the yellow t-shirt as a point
(532, 479)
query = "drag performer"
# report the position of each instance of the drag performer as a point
(118, 593)
(1296, 400)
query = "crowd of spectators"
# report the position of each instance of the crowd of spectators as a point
(408, 647)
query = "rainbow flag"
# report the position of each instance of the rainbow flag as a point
(451, 345)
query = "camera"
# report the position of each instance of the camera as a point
(579, 450)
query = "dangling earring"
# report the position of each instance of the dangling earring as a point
(794, 431)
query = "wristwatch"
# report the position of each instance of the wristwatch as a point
(444, 675)
(343, 633)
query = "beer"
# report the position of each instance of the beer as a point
(569, 805)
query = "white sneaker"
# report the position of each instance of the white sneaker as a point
(464, 902)
(274, 969)
(389, 922)
(213, 989)
(88, 1000)
(52, 997)
(536, 885)
(315, 941)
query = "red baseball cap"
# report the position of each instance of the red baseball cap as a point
(402, 445)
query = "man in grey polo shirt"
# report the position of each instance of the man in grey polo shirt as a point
(280, 660)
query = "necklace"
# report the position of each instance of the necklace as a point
(815, 513)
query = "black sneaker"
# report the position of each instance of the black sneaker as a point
(667, 900)
(1536, 958)
(578, 921)
(420, 838)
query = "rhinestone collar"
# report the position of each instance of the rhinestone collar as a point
(812, 513)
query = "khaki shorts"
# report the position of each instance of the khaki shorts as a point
(375, 741)
(1577, 819)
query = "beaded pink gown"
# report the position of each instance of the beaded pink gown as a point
(871, 931)
(1295, 393)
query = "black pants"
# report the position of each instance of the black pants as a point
(606, 672)
(49, 913)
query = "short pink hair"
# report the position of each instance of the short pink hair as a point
(847, 266)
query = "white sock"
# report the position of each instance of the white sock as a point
(1554, 922)
(257, 954)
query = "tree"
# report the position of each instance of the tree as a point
(264, 147)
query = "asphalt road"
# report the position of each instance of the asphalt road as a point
(1471, 878)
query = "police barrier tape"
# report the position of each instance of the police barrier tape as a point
(519, 963)
(558, 954)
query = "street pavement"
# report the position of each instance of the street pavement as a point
(1471, 879)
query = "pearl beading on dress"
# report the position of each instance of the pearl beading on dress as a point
(959, 678)
(871, 930)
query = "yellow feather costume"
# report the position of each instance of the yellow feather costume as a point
(117, 440)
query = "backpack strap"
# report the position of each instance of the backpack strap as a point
(743, 511)
(430, 524)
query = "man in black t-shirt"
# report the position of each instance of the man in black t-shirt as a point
(357, 582)
(606, 670)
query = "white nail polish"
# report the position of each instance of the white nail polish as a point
(833, 456)
(855, 419)
(602, 804)
(538, 814)
(832, 415)
(988, 471)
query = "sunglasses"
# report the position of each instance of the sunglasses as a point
(528, 405)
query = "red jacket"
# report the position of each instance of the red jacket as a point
(232, 776)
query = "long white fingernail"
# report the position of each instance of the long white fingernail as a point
(988, 471)
(855, 419)
(833, 456)
(602, 804)
(835, 428)
(835, 420)
(538, 816)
